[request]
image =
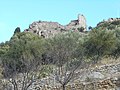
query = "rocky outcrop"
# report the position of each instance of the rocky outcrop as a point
(44, 28)
(49, 29)
(113, 21)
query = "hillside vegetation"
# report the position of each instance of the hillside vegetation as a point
(110, 24)
(28, 57)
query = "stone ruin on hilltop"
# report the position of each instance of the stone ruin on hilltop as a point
(49, 29)
(77, 24)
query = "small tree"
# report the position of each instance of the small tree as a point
(90, 28)
(63, 50)
(23, 61)
(116, 52)
(17, 30)
(81, 29)
(99, 43)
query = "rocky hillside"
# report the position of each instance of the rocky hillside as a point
(110, 24)
(47, 29)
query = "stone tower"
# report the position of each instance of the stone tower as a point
(82, 21)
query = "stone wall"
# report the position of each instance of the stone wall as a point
(108, 84)
(105, 77)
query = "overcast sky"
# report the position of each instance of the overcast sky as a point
(21, 13)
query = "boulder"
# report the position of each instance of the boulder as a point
(96, 75)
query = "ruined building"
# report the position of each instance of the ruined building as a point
(49, 29)
(77, 24)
